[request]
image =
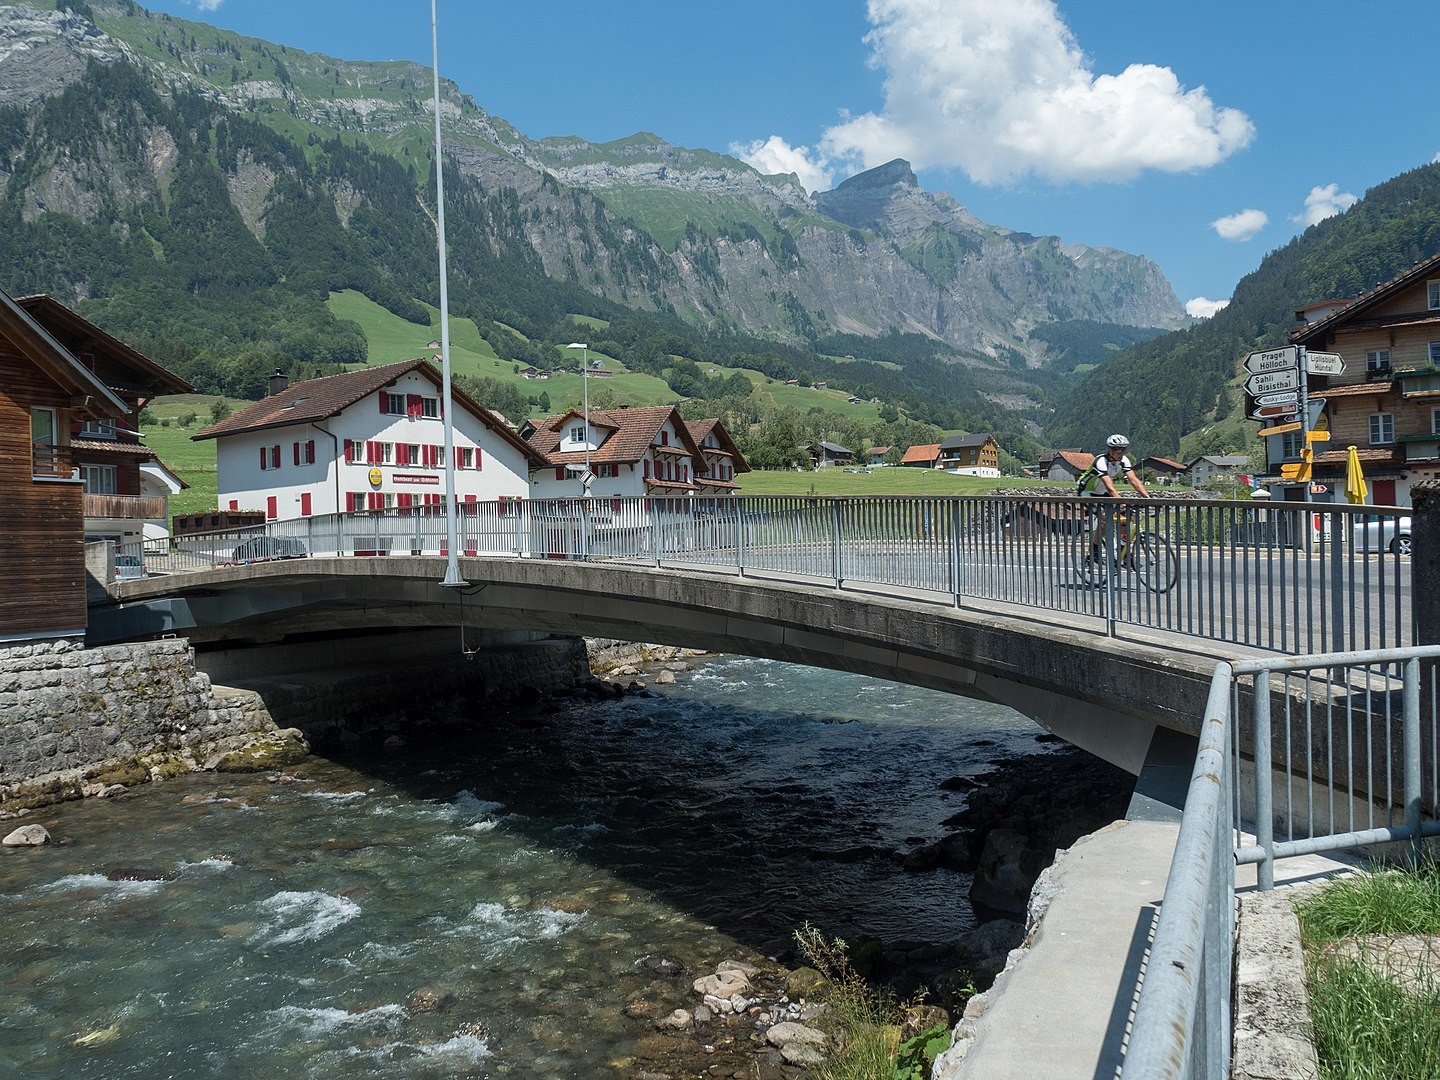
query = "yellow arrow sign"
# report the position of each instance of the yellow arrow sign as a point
(1317, 436)
(1298, 471)
(1280, 429)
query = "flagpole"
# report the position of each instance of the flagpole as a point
(452, 531)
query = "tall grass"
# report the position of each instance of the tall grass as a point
(866, 1025)
(1375, 1009)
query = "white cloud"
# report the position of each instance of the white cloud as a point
(1325, 202)
(1242, 226)
(1201, 308)
(774, 155)
(1003, 91)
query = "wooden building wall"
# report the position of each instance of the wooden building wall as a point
(42, 551)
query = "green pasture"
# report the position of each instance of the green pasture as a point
(888, 480)
(193, 462)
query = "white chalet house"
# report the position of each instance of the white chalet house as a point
(369, 439)
(632, 452)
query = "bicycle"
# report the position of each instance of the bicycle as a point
(1146, 554)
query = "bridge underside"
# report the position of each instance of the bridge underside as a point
(1103, 694)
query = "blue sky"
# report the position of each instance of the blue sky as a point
(1201, 136)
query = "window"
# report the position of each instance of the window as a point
(577, 433)
(304, 453)
(1432, 291)
(430, 407)
(1377, 360)
(99, 479)
(1382, 429)
(269, 457)
(1291, 443)
(1435, 421)
(465, 457)
(1434, 353)
(98, 429)
(392, 404)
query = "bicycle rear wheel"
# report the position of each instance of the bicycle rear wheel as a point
(1155, 563)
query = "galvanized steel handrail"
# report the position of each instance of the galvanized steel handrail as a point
(1257, 575)
(1182, 1022)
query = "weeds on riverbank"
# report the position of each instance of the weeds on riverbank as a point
(866, 1026)
(1372, 957)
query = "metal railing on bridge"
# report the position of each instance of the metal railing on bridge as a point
(1352, 760)
(1291, 578)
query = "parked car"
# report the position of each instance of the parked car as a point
(264, 548)
(1382, 532)
(129, 568)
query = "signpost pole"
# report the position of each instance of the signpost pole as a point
(1305, 419)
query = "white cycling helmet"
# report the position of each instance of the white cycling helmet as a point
(1119, 441)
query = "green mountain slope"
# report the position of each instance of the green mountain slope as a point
(1163, 389)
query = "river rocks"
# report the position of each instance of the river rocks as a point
(429, 999)
(1008, 867)
(798, 1044)
(27, 836)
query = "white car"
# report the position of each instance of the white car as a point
(1381, 532)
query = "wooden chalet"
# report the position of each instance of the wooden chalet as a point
(126, 485)
(45, 392)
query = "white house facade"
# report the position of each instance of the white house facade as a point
(370, 439)
(631, 452)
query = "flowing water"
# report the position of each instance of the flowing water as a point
(515, 876)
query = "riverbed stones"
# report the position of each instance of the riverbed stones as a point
(26, 836)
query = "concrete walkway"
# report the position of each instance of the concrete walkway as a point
(1062, 1009)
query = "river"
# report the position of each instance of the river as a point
(514, 877)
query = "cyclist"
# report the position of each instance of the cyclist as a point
(1098, 482)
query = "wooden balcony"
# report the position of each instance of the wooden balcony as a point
(126, 507)
(50, 461)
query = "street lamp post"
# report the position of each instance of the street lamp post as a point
(452, 577)
(584, 348)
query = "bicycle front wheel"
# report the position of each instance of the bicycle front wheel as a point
(1088, 560)
(1155, 563)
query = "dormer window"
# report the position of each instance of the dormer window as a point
(577, 433)
(98, 429)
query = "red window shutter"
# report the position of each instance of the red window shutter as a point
(377, 501)
(559, 472)
(472, 498)
(478, 461)
(349, 451)
(296, 448)
(647, 468)
(264, 459)
(384, 403)
(664, 438)
(412, 405)
(305, 504)
(270, 508)
(234, 504)
(403, 499)
(310, 452)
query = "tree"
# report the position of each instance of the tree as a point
(219, 410)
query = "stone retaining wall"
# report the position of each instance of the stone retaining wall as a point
(73, 720)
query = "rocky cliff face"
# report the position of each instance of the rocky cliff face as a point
(639, 221)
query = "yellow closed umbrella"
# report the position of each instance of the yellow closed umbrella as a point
(1355, 489)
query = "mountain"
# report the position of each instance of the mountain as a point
(203, 193)
(1188, 381)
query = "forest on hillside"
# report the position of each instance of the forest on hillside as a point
(1161, 390)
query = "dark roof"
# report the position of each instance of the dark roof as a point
(960, 442)
(137, 371)
(1315, 333)
(320, 399)
(37, 345)
(633, 431)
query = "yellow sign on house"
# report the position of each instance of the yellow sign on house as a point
(376, 477)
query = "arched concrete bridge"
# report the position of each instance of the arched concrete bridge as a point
(1106, 694)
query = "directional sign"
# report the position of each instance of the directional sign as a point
(1270, 382)
(1298, 471)
(1278, 429)
(1286, 359)
(1324, 363)
(1317, 436)
(1318, 489)
(1285, 397)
